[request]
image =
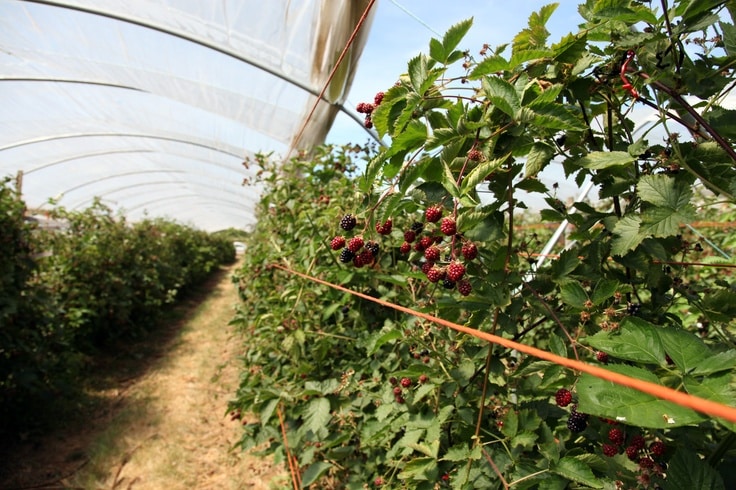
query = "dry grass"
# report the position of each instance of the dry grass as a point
(167, 428)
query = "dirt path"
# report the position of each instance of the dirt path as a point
(167, 427)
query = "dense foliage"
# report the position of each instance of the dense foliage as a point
(372, 397)
(89, 279)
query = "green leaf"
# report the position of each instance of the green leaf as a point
(573, 294)
(502, 95)
(538, 158)
(662, 190)
(606, 399)
(686, 470)
(556, 116)
(479, 173)
(635, 340)
(381, 338)
(314, 473)
(489, 66)
(714, 388)
(437, 51)
(564, 265)
(685, 349)
(418, 72)
(454, 35)
(599, 160)
(729, 37)
(664, 221)
(577, 471)
(420, 469)
(448, 182)
(723, 361)
(317, 414)
(461, 452)
(604, 289)
(626, 235)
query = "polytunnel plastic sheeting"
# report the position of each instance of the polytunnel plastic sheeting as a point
(153, 105)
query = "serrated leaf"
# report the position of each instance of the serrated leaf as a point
(423, 391)
(454, 35)
(573, 294)
(564, 265)
(663, 222)
(267, 410)
(599, 160)
(461, 452)
(685, 349)
(437, 51)
(626, 235)
(448, 182)
(662, 190)
(382, 338)
(502, 95)
(724, 361)
(317, 414)
(635, 340)
(489, 66)
(479, 173)
(602, 398)
(420, 469)
(686, 470)
(714, 388)
(314, 473)
(539, 157)
(604, 289)
(418, 72)
(577, 471)
(556, 116)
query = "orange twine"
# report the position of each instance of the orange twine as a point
(702, 405)
(293, 465)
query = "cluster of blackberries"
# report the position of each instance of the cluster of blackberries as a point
(430, 246)
(356, 250)
(367, 108)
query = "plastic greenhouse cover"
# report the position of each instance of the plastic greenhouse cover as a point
(153, 105)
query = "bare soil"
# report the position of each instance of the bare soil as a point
(154, 415)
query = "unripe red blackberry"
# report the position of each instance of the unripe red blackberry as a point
(602, 357)
(432, 253)
(426, 266)
(385, 227)
(464, 287)
(434, 274)
(448, 226)
(433, 213)
(378, 98)
(638, 442)
(337, 243)
(425, 242)
(657, 448)
(358, 260)
(455, 271)
(475, 155)
(616, 436)
(646, 463)
(469, 250)
(406, 382)
(563, 397)
(410, 236)
(423, 378)
(366, 257)
(378, 481)
(632, 452)
(348, 222)
(405, 248)
(610, 450)
(355, 243)
(397, 390)
(368, 123)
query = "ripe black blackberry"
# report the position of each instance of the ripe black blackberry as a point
(346, 256)
(417, 227)
(373, 248)
(577, 422)
(348, 222)
(448, 284)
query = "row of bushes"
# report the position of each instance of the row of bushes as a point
(92, 278)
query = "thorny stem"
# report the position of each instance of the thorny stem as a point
(496, 470)
(484, 393)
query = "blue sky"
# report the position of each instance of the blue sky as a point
(396, 36)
